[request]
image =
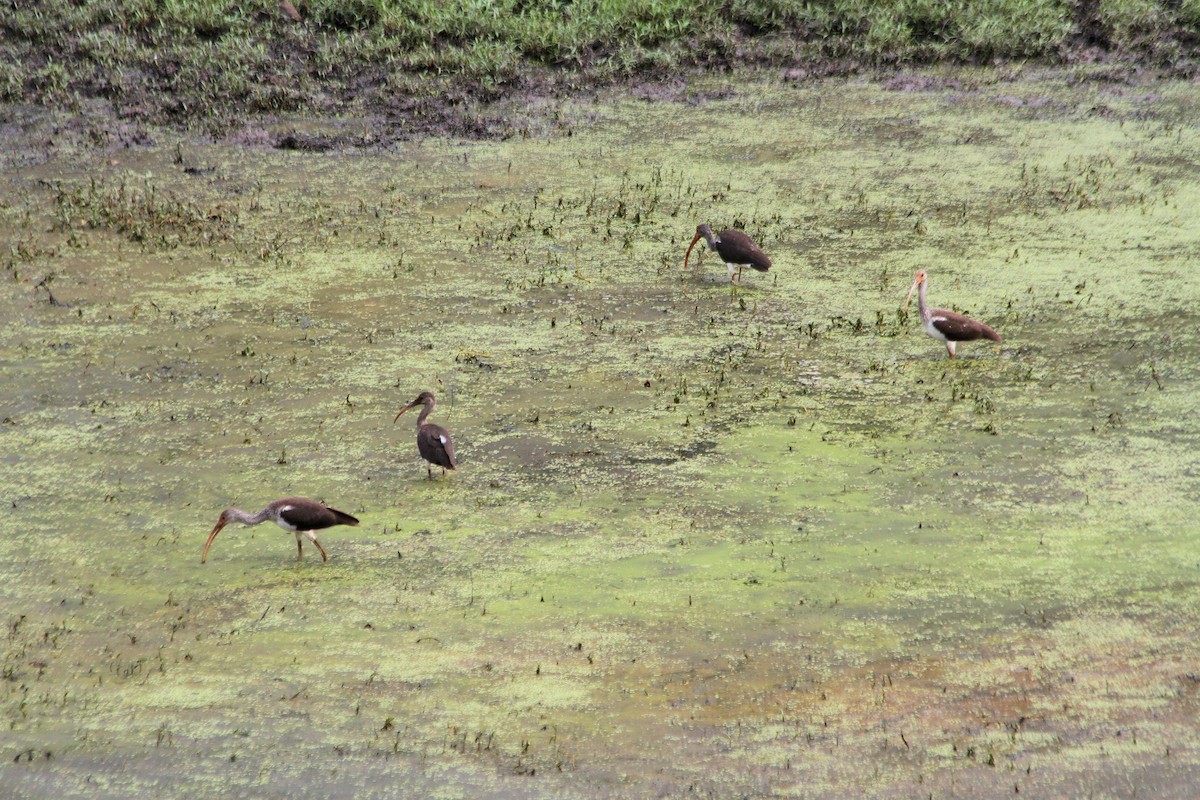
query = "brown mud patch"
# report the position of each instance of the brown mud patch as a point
(1040, 716)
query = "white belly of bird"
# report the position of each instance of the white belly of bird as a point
(283, 523)
(932, 331)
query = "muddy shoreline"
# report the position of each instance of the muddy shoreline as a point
(536, 108)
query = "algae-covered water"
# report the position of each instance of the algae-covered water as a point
(703, 540)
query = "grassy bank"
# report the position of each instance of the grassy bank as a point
(430, 63)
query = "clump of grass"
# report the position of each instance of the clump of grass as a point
(141, 213)
(184, 60)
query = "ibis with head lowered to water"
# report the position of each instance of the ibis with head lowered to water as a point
(735, 248)
(298, 515)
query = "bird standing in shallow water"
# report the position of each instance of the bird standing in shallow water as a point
(433, 441)
(735, 248)
(948, 326)
(295, 514)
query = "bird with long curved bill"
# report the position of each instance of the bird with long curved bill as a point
(735, 248)
(946, 326)
(433, 441)
(298, 515)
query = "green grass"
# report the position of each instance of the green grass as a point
(201, 60)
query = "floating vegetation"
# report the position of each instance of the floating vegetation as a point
(722, 540)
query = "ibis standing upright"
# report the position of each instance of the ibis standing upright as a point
(296, 514)
(735, 248)
(433, 441)
(947, 326)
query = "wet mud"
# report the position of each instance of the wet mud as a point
(758, 541)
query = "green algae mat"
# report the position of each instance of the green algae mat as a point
(703, 540)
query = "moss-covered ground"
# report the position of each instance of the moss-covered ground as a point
(727, 541)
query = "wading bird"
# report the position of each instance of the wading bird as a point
(735, 248)
(947, 326)
(295, 514)
(433, 441)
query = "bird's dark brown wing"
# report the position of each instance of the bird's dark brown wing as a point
(736, 247)
(959, 328)
(435, 446)
(343, 518)
(309, 515)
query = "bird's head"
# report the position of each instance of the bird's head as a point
(918, 279)
(222, 521)
(423, 399)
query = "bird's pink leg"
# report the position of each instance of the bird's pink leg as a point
(299, 549)
(950, 348)
(313, 536)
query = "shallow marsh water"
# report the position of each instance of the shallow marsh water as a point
(704, 540)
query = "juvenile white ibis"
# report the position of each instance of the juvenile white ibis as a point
(947, 326)
(295, 514)
(735, 248)
(433, 441)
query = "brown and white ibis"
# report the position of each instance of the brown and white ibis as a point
(735, 248)
(433, 441)
(947, 326)
(295, 514)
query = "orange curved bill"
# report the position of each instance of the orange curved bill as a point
(208, 544)
(689, 250)
(406, 408)
(911, 289)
